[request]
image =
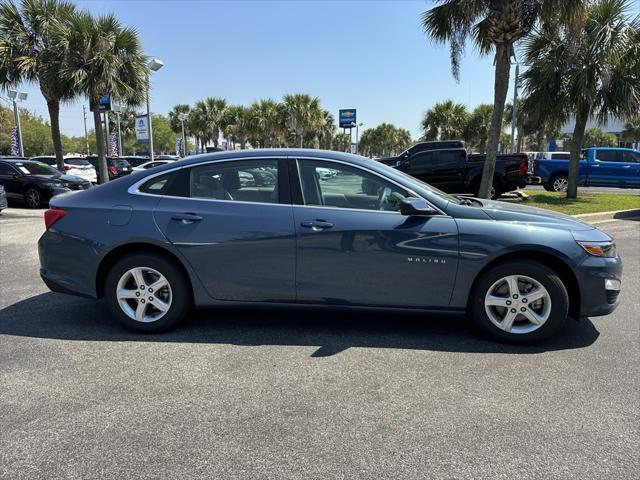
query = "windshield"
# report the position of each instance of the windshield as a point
(36, 168)
(76, 161)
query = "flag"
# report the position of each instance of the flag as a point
(114, 144)
(178, 146)
(15, 146)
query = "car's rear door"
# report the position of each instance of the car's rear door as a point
(233, 223)
(355, 248)
(607, 168)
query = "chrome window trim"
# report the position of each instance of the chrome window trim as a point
(134, 188)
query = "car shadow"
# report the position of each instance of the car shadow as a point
(63, 317)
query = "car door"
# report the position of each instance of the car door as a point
(421, 166)
(631, 167)
(11, 180)
(238, 236)
(355, 248)
(607, 169)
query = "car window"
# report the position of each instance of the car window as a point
(560, 156)
(337, 185)
(245, 181)
(630, 157)
(159, 185)
(607, 155)
(424, 159)
(36, 168)
(76, 161)
(6, 169)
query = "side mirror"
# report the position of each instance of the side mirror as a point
(417, 207)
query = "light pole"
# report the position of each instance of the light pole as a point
(182, 117)
(514, 110)
(154, 65)
(14, 95)
(117, 109)
(357, 125)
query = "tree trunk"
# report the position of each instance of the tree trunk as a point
(520, 144)
(103, 171)
(299, 137)
(582, 116)
(501, 85)
(54, 115)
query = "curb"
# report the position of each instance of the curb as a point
(604, 216)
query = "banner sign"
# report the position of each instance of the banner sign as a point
(142, 129)
(114, 144)
(347, 117)
(15, 145)
(179, 147)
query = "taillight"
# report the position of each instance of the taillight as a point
(112, 170)
(524, 165)
(67, 168)
(52, 215)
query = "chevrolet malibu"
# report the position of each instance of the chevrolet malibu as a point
(268, 226)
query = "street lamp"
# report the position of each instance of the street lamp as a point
(514, 110)
(15, 96)
(182, 117)
(154, 65)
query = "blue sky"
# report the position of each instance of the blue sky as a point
(369, 55)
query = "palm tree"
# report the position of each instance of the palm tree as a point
(327, 130)
(303, 113)
(493, 26)
(104, 56)
(445, 121)
(476, 129)
(198, 127)
(237, 125)
(599, 54)
(266, 122)
(385, 139)
(174, 117)
(32, 51)
(215, 117)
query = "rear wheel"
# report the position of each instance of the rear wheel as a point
(559, 183)
(147, 293)
(520, 302)
(32, 198)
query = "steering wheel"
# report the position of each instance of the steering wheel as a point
(383, 198)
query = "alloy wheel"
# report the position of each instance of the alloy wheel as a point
(32, 198)
(517, 304)
(144, 294)
(560, 184)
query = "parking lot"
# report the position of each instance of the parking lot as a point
(307, 394)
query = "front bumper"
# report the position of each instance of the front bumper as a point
(598, 278)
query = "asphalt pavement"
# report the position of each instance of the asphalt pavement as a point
(304, 394)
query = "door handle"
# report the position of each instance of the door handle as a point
(186, 218)
(626, 166)
(317, 225)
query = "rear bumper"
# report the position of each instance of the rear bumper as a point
(533, 180)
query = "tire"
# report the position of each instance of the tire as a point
(175, 297)
(547, 187)
(553, 308)
(559, 183)
(32, 198)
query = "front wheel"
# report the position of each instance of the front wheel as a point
(147, 293)
(520, 302)
(32, 198)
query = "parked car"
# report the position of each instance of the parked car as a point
(117, 167)
(77, 166)
(148, 165)
(35, 183)
(192, 232)
(599, 167)
(3, 198)
(135, 160)
(449, 167)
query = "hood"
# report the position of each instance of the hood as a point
(513, 212)
(60, 178)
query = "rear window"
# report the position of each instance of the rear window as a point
(560, 156)
(36, 168)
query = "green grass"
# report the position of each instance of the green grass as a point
(585, 203)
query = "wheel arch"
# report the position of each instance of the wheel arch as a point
(557, 264)
(137, 247)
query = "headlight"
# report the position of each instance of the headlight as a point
(599, 249)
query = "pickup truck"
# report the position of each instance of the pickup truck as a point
(449, 167)
(599, 167)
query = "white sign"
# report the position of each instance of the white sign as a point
(142, 129)
(354, 148)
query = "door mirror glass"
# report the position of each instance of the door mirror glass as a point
(417, 207)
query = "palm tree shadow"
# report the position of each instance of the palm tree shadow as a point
(63, 317)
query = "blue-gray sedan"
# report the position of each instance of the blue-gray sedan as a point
(296, 227)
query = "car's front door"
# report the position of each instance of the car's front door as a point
(355, 248)
(234, 225)
(631, 167)
(607, 169)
